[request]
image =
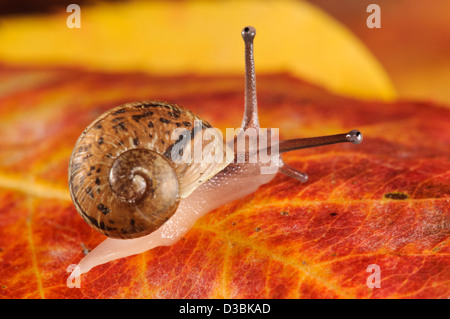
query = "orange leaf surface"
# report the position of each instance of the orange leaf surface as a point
(383, 202)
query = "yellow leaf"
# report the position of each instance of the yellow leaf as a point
(201, 37)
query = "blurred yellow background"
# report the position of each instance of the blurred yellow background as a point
(174, 37)
(178, 37)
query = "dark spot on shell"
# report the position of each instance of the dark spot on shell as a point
(162, 142)
(136, 141)
(132, 222)
(91, 220)
(333, 214)
(178, 124)
(173, 114)
(137, 117)
(182, 136)
(185, 123)
(284, 213)
(88, 191)
(81, 149)
(150, 124)
(98, 170)
(99, 126)
(101, 226)
(121, 126)
(119, 111)
(118, 119)
(257, 229)
(148, 104)
(179, 145)
(163, 120)
(97, 181)
(102, 208)
(396, 196)
(111, 221)
(100, 141)
(92, 168)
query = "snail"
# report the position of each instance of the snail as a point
(133, 176)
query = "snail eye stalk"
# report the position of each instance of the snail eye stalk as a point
(251, 105)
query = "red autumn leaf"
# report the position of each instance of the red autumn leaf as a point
(384, 202)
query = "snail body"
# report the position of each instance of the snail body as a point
(135, 180)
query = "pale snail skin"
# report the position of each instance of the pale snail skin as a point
(231, 181)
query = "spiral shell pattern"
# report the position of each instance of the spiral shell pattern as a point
(122, 177)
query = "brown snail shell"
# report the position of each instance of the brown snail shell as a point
(122, 178)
